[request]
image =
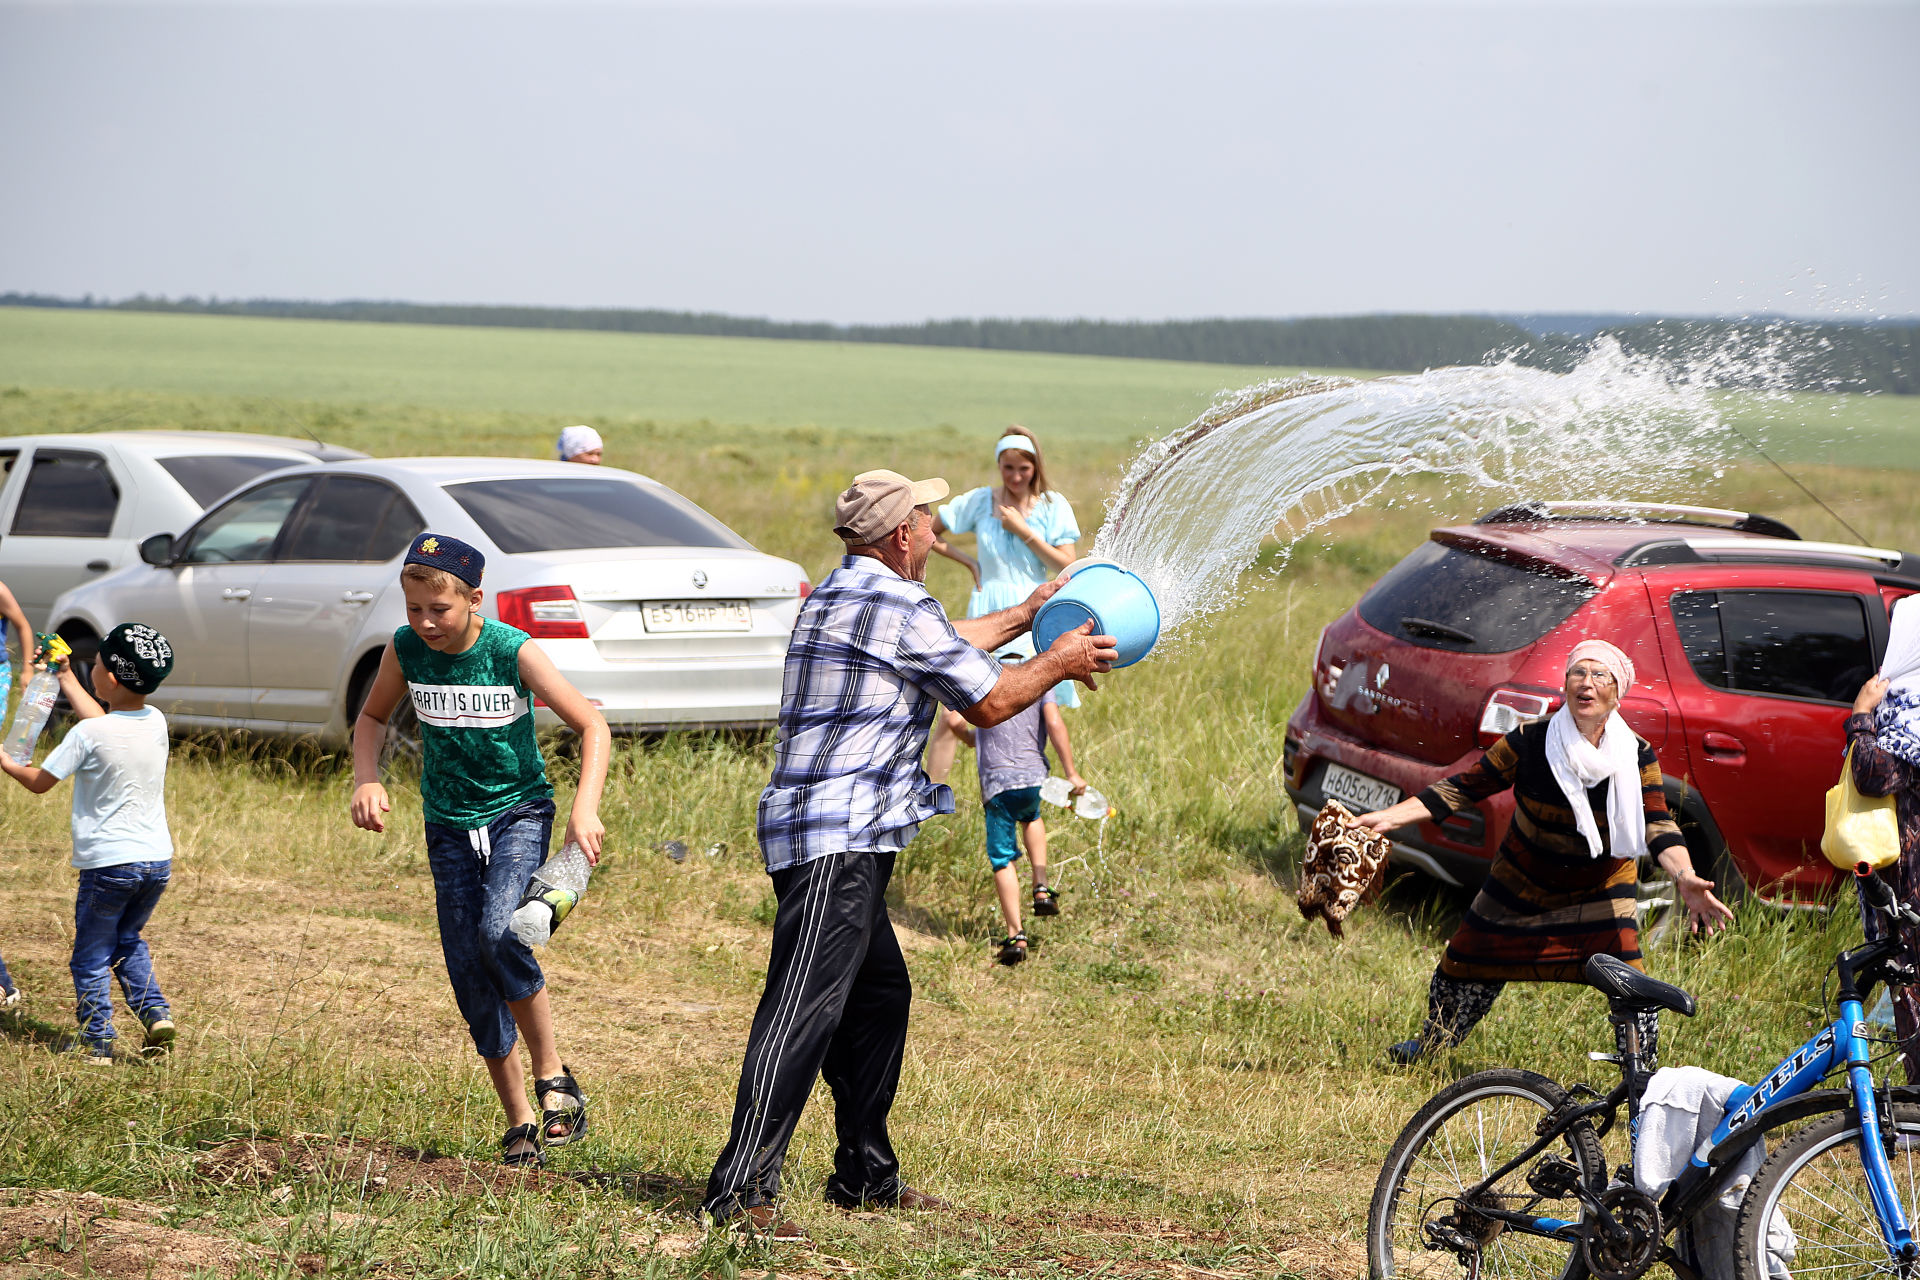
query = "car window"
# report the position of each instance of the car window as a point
(1442, 597)
(7, 458)
(207, 478)
(245, 527)
(352, 518)
(567, 514)
(1797, 644)
(69, 493)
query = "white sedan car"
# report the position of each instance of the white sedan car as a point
(75, 506)
(279, 600)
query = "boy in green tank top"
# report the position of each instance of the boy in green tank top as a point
(489, 815)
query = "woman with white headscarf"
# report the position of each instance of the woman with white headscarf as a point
(580, 444)
(1588, 808)
(1884, 734)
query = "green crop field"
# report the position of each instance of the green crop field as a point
(1185, 1080)
(582, 376)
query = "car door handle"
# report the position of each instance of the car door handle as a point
(1724, 748)
(98, 566)
(356, 597)
(236, 593)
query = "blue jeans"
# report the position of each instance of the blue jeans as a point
(110, 909)
(479, 878)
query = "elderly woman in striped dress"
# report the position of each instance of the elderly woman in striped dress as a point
(1588, 806)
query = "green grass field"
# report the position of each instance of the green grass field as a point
(583, 376)
(1185, 1080)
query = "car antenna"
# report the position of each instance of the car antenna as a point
(302, 427)
(97, 423)
(1755, 446)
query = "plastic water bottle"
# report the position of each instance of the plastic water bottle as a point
(1055, 791)
(554, 890)
(36, 703)
(1092, 804)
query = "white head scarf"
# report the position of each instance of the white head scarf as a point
(1578, 764)
(1896, 720)
(575, 441)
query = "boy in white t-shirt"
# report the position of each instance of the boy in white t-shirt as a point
(117, 757)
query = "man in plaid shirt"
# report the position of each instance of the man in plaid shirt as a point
(871, 654)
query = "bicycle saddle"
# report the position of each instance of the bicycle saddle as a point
(1627, 988)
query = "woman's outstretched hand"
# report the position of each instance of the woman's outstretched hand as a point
(1705, 912)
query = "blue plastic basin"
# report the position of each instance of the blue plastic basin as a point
(1114, 600)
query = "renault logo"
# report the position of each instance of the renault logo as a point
(700, 579)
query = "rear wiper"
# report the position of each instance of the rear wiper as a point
(1437, 630)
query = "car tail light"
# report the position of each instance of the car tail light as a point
(806, 588)
(545, 613)
(1508, 709)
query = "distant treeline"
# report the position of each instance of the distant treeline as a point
(1781, 353)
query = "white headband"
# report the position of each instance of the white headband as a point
(1013, 442)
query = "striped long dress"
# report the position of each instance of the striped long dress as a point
(1547, 904)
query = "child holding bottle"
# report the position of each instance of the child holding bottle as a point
(1012, 758)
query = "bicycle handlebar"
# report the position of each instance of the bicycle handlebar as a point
(1879, 894)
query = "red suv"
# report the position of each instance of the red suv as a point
(1749, 645)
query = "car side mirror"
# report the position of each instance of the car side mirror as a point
(158, 550)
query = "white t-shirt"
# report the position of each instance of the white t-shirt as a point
(118, 763)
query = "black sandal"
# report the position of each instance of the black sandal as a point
(573, 1117)
(529, 1134)
(1013, 949)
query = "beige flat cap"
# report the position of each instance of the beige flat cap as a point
(877, 503)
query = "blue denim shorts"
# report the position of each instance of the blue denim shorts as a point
(1005, 812)
(479, 878)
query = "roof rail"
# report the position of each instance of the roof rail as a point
(1694, 550)
(1815, 550)
(1650, 512)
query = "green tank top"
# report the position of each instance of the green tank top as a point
(479, 756)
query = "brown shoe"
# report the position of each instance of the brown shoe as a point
(765, 1221)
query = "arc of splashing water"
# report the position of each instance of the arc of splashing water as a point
(1193, 510)
(1221, 413)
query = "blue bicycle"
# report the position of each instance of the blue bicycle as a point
(1502, 1172)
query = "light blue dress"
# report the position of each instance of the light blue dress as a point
(1009, 570)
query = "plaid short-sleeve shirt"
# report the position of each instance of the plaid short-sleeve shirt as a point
(871, 653)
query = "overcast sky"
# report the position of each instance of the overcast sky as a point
(913, 160)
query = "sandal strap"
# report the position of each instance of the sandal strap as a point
(529, 1134)
(562, 1083)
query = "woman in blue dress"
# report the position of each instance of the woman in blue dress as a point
(1026, 534)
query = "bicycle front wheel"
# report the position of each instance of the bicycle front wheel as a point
(1422, 1222)
(1810, 1212)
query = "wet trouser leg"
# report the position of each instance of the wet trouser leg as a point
(1454, 1007)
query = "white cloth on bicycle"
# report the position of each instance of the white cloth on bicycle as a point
(1678, 1114)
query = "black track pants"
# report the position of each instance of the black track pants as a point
(835, 1006)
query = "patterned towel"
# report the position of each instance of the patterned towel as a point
(1344, 867)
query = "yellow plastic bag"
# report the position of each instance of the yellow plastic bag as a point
(1860, 828)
